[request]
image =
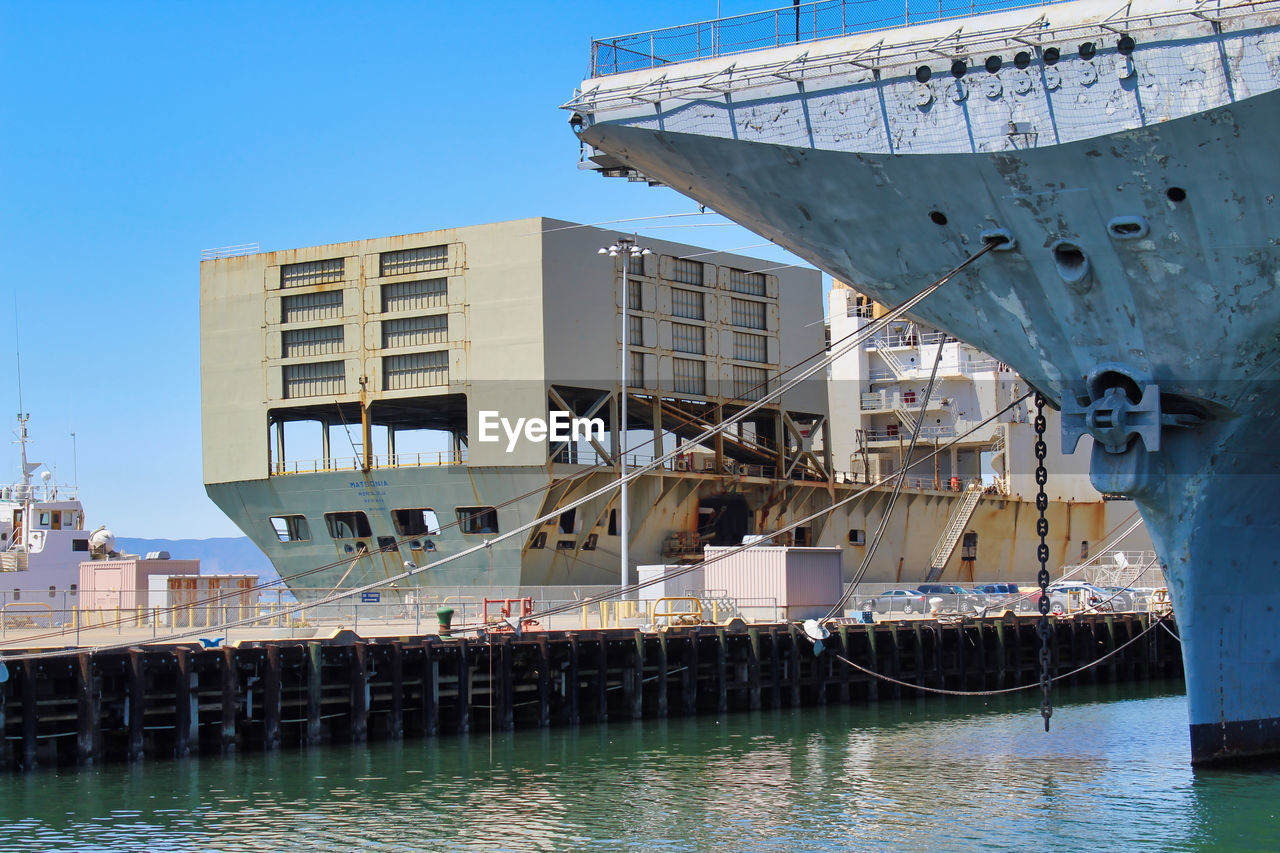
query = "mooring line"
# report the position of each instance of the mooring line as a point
(941, 691)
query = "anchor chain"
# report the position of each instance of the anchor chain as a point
(1042, 555)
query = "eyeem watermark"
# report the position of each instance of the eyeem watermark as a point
(561, 426)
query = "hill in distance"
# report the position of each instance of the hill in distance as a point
(219, 556)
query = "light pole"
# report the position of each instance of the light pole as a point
(626, 248)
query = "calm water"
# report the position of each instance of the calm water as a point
(939, 775)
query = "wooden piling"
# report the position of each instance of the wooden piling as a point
(230, 700)
(395, 726)
(88, 739)
(315, 687)
(184, 703)
(30, 715)
(464, 687)
(430, 689)
(137, 703)
(271, 699)
(753, 668)
(359, 703)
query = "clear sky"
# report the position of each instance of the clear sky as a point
(133, 135)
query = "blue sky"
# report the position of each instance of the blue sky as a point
(136, 134)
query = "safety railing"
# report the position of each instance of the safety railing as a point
(356, 463)
(793, 24)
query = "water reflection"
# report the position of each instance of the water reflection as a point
(960, 775)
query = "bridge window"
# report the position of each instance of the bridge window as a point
(348, 525)
(477, 519)
(291, 528)
(415, 522)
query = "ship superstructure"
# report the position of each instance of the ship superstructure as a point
(346, 389)
(877, 394)
(1122, 157)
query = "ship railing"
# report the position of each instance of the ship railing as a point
(788, 25)
(356, 463)
(940, 431)
(909, 340)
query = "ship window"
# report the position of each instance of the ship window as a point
(688, 338)
(567, 519)
(477, 519)
(320, 340)
(1087, 50)
(857, 537)
(348, 525)
(959, 68)
(415, 295)
(291, 528)
(747, 282)
(993, 64)
(415, 522)
(1176, 194)
(564, 544)
(803, 536)
(413, 260)
(613, 522)
(746, 313)
(635, 366)
(749, 383)
(937, 217)
(748, 347)
(314, 379)
(415, 370)
(688, 304)
(312, 272)
(686, 272)
(1125, 45)
(540, 541)
(414, 331)
(308, 307)
(1051, 55)
(44, 519)
(1021, 59)
(79, 544)
(689, 375)
(923, 73)
(590, 544)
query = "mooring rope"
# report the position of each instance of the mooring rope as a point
(1159, 620)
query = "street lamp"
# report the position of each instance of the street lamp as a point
(627, 248)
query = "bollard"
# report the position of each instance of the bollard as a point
(445, 616)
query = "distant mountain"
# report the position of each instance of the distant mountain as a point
(225, 555)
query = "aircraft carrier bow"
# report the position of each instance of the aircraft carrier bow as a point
(1123, 155)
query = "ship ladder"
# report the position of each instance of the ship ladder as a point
(951, 535)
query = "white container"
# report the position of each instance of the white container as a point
(804, 583)
(690, 581)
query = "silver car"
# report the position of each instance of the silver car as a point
(895, 601)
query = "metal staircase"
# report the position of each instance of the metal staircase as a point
(900, 370)
(955, 529)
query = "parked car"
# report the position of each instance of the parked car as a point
(895, 601)
(1074, 596)
(1122, 599)
(1007, 598)
(955, 598)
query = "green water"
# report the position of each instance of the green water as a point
(915, 775)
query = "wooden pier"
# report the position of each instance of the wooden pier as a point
(167, 701)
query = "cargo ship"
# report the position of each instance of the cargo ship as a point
(1121, 157)
(361, 405)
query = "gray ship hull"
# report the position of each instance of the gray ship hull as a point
(661, 504)
(1185, 310)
